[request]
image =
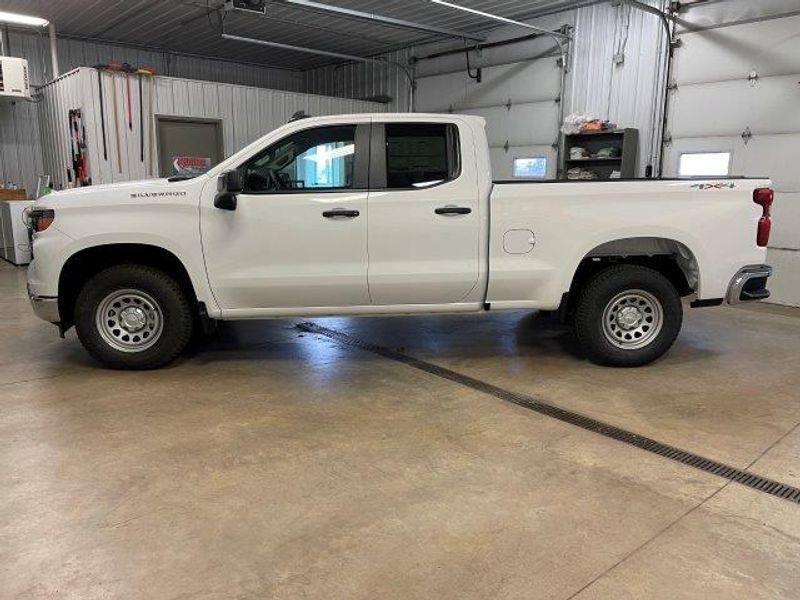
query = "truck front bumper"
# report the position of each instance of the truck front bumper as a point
(45, 307)
(750, 283)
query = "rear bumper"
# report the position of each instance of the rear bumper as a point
(749, 284)
(45, 307)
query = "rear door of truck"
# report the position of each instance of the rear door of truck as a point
(424, 214)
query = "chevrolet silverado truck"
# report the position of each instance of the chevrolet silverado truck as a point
(390, 214)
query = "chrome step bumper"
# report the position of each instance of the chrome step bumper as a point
(749, 284)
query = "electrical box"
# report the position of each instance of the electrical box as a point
(14, 81)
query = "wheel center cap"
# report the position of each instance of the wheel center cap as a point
(629, 317)
(132, 318)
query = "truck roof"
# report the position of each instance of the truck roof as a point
(403, 116)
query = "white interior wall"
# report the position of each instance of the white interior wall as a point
(21, 159)
(246, 114)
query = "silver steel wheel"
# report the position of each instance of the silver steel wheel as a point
(129, 320)
(633, 319)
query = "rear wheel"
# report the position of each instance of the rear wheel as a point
(133, 317)
(628, 316)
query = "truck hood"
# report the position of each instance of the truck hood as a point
(145, 192)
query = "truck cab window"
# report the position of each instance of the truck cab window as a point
(314, 159)
(420, 155)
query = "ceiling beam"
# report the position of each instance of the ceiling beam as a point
(383, 20)
(306, 50)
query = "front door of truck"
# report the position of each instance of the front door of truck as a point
(298, 235)
(424, 215)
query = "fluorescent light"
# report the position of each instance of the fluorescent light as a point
(17, 19)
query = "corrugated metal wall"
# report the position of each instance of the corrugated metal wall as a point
(21, 158)
(365, 80)
(246, 113)
(626, 93)
(630, 93)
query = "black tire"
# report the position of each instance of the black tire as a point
(174, 317)
(612, 343)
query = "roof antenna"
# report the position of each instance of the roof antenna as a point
(299, 115)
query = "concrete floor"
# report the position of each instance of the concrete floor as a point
(276, 464)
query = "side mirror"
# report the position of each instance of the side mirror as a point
(229, 184)
(231, 181)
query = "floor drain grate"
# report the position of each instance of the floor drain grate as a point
(751, 480)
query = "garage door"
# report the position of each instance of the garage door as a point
(738, 94)
(519, 102)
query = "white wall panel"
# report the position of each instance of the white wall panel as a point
(785, 217)
(768, 106)
(786, 281)
(516, 83)
(723, 12)
(734, 52)
(246, 113)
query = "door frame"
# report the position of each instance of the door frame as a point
(158, 118)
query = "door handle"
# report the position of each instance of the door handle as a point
(340, 213)
(450, 211)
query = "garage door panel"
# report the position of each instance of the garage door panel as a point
(786, 221)
(769, 48)
(534, 81)
(786, 281)
(502, 160)
(439, 93)
(776, 156)
(701, 14)
(728, 108)
(496, 123)
(534, 124)
(773, 156)
(523, 125)
(715, 103)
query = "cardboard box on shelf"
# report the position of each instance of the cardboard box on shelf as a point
(18, 194)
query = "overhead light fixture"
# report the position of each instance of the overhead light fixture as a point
(17, 19)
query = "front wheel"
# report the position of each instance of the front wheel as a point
(628, 316)
(133, 317)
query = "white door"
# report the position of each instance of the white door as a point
(746, 58)
(424, 215)
(298, 235)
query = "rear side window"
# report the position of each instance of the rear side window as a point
(420, 155)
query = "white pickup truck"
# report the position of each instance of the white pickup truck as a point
(390, 214)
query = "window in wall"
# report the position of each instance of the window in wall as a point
(420, 155)
(534, 167)
(704, 164)
(314, 159)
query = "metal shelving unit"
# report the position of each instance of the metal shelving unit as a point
(625, 140)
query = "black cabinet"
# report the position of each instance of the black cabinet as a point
(606, 154)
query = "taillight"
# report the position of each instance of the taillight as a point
(764, 197)
(41, 218)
